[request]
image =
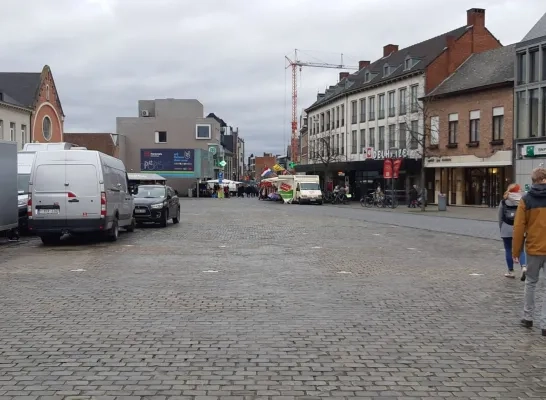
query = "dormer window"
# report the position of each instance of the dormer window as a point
(409, 62)
(366, 77)
(387, 70)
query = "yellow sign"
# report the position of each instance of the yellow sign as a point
(277, 168)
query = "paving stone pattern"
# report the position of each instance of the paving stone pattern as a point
(308, 302)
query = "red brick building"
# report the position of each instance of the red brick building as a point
(107, 143)
(38, 92)
(470, 116)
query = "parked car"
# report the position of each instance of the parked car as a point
(78, 192)
(157, 204)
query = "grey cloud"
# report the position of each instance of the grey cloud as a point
(229, 54)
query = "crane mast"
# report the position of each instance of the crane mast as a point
(294, 64)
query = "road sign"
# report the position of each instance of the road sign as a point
(222, 163)
(212, 149)
(220, 177)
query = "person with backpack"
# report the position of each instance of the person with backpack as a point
(507, 215)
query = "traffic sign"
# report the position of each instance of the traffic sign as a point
(220, 177)
(222, 163)
(212, 150)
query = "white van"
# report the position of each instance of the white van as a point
(78, 191)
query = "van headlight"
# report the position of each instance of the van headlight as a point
(157, 206)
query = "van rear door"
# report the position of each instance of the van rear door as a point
(49, 194)
(83, 192)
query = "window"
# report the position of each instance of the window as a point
(381, 139)
(366, 77)
(381, 106)
(402, 141)
(23, 135)
(408, 63)
(322, 122)
(391, 104)
(161, 137)
(343, 115)
(371, 137)
(353, 112)
(354, 144)
(392, 136)
(498, 123)
(363, 110)
(1, 130)
(46, 128)
(327, 120)
(521, 132)
(533, 113)
(12, 134)
(337, 117)
(203, 131)
(453, 128)
(434, 131)
(342, 144)
(371, 108)
(414, 135)
(403, 100)
(363, 141)
(522, 68)
(533, 65)
(386, 70)
(474, 127)
(544, 63)
(337, 144)
(414, 99)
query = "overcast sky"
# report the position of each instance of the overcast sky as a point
(228, 54)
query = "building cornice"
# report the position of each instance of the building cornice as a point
(14, 107)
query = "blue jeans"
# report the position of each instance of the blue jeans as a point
(508, 254)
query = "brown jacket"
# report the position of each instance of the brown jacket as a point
(530, 223)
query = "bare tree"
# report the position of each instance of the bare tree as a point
(324, 152)
(423, 130)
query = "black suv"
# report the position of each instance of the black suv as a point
(156, 203)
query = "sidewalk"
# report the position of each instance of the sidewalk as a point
(463, 212)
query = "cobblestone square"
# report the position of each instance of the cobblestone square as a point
(254, 300)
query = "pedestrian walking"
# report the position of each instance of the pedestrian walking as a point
(529, 227)
(507, 214)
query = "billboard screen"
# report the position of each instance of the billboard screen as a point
(168, 161)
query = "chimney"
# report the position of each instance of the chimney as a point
(388, 49)
(475, 17)
(363, 64)
(343, 75)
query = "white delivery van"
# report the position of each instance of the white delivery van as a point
(307, 189)
(78, 192)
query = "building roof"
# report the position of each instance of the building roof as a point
(490, 68)
(220, 120)
(422, 53)
(20, 88)
(537, 31)
(104, 142)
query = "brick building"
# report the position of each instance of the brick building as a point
(374, 113)
(470, 117)
(36, 92)
(262, 163)
(107, 143)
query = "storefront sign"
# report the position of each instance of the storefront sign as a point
(170, 161)
(438, 159)
(533, 150)
(396, 164)
(387, 169)
(381, 155)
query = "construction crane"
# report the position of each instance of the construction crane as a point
(294, 64)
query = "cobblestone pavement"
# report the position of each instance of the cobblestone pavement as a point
(252, 300)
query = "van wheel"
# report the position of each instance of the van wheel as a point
(176, 219)
(164, 219)
(113, 234)
(50, 240)
(131, 228)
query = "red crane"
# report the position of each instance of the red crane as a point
(294, 64)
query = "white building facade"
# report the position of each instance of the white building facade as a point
(15, 124)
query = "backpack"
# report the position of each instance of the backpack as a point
(508, 213)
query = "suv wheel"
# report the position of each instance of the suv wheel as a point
(164, 219)
(176, 219)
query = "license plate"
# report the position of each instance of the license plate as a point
(48, 211)
(140, 211)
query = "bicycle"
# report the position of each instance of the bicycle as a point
(341, 198)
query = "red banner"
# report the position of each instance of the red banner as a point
(396, 167)
(387, 168)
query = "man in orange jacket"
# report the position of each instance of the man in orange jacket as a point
(530, 229)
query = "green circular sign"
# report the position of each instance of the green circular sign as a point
(212, 149)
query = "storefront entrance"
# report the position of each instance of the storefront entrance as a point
(485, 186)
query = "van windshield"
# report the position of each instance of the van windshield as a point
(22, 183)
(309, 186)
(150, 192)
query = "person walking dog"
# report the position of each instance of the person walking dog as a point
(529, 230)
(507, 214)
